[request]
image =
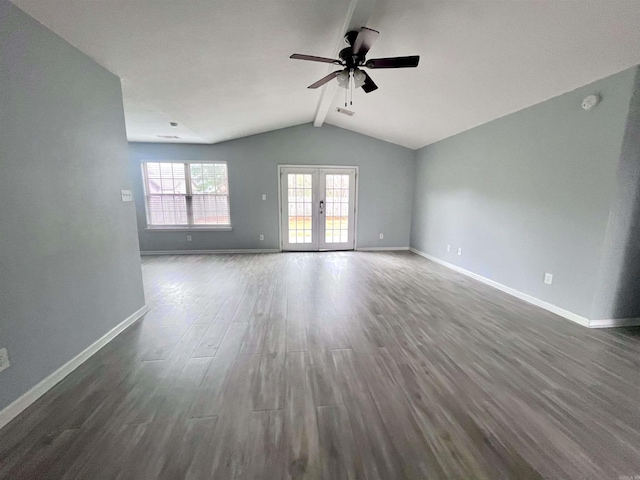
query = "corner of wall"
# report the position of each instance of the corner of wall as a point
(618, 277)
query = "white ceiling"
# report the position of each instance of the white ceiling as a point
(221, 68)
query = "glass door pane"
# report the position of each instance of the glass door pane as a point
(337, 215)
(337, 185)
(300, 207)
(299, 217)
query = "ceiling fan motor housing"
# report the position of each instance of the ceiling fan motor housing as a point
(346, 54)
(350, 60)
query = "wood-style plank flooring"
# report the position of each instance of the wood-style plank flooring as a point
(337, 366)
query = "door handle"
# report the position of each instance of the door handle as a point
(321, 206)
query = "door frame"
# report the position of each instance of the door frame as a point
(355, 204)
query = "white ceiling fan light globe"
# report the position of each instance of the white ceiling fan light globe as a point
(343, 78)
(359, 78)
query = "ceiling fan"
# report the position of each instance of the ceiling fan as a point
(352, 58)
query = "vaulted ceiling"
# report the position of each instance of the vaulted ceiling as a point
(221, 69)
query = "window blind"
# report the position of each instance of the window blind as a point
(186, 194)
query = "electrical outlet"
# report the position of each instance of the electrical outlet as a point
(261, 237)
(126, 195)
(4, 359)
(264, 196)
(381, 236)
(448, 248)
(188, 238)
(459, 251)
(548, 278)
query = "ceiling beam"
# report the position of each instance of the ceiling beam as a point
(358, 15)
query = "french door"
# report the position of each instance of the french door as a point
(318, 208)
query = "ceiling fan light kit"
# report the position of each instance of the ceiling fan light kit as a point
(352, 58)
(358, 76)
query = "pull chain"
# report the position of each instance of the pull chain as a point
(351, 82)
(349, 88)
(346, 96)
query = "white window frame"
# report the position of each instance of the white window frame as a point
(190, 226)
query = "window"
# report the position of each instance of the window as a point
(186, 194)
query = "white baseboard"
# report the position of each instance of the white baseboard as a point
(17, 406)
(209, 252)
(614, 322)
(574, 317)
(380, 249)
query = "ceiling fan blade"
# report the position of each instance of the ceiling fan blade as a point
(324, 80)
(393, 62)
(369, 85)
(364, 41)
(311, 58)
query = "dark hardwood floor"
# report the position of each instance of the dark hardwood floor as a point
(337, 366)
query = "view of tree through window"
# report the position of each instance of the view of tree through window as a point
(185, 194)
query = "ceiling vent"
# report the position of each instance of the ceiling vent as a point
(344, 111)
(168, 136)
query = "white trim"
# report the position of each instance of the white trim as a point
(17, 406)
(574, 317)
(210, 228)
(380, 249)
(208, 252)
(614, 322)
(187, 173)
(280, 240)
(356, 208)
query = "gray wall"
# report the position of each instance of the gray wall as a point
(528, 193)
(618, 288)
(68, 246)
(385, 185)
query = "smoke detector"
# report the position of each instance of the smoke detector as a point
(591, 101)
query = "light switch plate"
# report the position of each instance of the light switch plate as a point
(127, 196)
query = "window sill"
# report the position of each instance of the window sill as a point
(208, 228)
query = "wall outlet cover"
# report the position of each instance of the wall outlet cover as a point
(261, 237)
(127, 196)
(189, 238)
(448, 248)
(459, 251)
(548, 278)
(381, 236)
(264, 196)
